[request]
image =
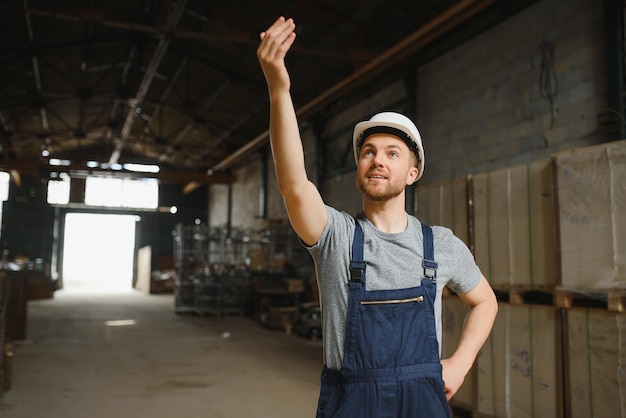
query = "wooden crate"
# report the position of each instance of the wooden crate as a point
(591, 209)
(446, 204)
(519, 368)
(595, 359)
(513, 226)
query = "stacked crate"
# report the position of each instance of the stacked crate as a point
(519, 368)
(551, 238)
(446, 204)
(519, 372)
(595, 363)
(591, 186)
(513, 226)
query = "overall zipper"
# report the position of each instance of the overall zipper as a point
(392, 301)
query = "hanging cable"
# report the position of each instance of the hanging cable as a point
(548, 84)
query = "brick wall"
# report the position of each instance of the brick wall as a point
(481, 107)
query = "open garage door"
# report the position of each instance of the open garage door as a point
(98, 252)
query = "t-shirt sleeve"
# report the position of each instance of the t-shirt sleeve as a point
(337, 224)
(464, 274)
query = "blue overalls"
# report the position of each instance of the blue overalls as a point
(391, 364)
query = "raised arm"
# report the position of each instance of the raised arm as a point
(303, 202)
(476, 329)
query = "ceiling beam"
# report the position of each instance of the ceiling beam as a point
(45, 126)
(76, 170)
(147, 81)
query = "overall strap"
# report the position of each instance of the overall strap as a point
(357, 265)
(429, 264)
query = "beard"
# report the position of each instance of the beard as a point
(380, 193)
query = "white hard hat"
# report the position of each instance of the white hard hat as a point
(390, 123)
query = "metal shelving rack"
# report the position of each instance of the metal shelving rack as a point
(191, 253)
(212, 274)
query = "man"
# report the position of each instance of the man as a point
(380, 275)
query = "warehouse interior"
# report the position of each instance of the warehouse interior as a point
(148, 265)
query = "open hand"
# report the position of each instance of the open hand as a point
(275, 42)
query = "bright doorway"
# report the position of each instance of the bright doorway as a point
(98, 252)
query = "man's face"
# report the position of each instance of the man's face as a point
(385, 167)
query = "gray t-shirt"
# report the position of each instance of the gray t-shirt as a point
(393, 262)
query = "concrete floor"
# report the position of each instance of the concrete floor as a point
(163, 366)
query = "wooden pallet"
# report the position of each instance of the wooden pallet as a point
(613, 300)
(520, 296)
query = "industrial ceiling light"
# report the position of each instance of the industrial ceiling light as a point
(142, 168)
(120, 323)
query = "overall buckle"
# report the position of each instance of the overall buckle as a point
(357, 272)
(430, 269)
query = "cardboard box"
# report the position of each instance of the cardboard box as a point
(513, 226)
(591, 190)
(595, 363)
(519, 372)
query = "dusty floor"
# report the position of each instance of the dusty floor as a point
(73, 364)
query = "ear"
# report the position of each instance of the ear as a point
(411, 176)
